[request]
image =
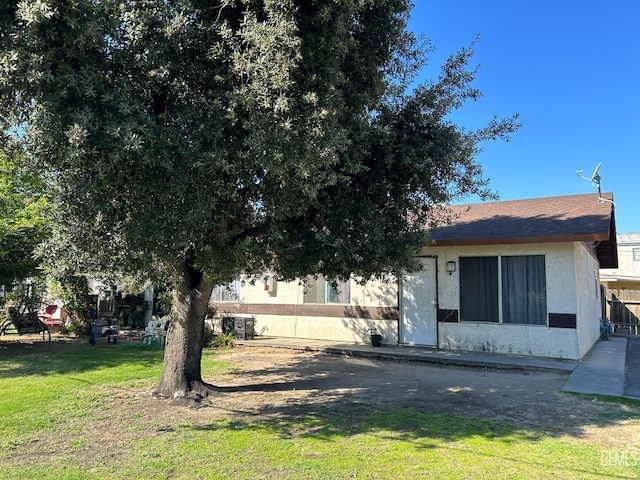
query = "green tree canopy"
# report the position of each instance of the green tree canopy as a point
(24, 222)
(192, 140)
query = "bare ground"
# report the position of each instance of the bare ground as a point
(271, 381)
(281, 385)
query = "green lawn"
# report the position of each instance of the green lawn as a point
(71, 413)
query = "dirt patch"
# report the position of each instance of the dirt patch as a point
(282, 384)
(269, 381)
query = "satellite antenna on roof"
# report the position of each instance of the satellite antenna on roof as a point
(595, 182)
(595, 177)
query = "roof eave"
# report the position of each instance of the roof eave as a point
(607, 250)
(587, 237)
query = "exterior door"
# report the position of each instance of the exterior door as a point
(419, 320)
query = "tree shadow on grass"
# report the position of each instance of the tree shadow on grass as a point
(343, 392)
(419, 435)
(441, 409)
(326, 397)
(28, 356)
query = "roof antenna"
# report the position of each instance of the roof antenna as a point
(595, 182)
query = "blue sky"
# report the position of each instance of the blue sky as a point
(571, 69)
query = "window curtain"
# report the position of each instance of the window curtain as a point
(340, 294)
(524, 290)
(479, 289)
(321, 291)
(314, 290)
(228, 293)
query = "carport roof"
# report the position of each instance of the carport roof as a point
(569, 218)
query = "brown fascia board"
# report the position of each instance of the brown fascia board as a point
(590, 237)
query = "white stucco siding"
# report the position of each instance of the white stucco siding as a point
(448, 285)
(291, 321)
(537, 341)
(375, 293)
(530, 340)
(561, 279)
(570, 285)
(588, 297)
(282, 293)
(559, 262)
(353, 330)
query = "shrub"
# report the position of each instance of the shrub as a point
(224, 340)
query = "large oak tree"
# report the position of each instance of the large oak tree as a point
(191, 140)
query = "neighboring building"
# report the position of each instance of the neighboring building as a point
(623, 285)
(514, 277)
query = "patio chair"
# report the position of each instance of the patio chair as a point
(150, 334)
(161, 330)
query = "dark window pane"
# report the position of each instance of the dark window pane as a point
(524, 290)
(479, 289)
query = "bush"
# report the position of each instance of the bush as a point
(223, 340)
(76, 325)
(66, 330)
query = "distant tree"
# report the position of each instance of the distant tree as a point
(194, 140)
(24, 222)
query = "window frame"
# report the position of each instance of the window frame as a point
(540, 295)
(316, 287)
(229, 293)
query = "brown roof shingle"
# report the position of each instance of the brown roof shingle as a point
(550, 219)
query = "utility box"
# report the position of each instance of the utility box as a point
(243, 328)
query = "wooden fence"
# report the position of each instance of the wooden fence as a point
(623, 309)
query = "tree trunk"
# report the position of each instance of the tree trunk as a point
(181, 374)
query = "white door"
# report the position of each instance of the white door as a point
(419, 306)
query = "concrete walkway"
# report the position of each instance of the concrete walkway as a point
(416, 354)
(603, 371)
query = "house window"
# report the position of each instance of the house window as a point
(319, 290)
(228, 293)
(524, 290)
(507, 289)
(636, 254)
(479, 289)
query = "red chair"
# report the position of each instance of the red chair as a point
(47, 316)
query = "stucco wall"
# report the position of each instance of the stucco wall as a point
(533, 340)
(570, 290)
(349, 323)
(588, 297)
(537, 341)
(561, 281)
(375, 293)
(338, 329)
